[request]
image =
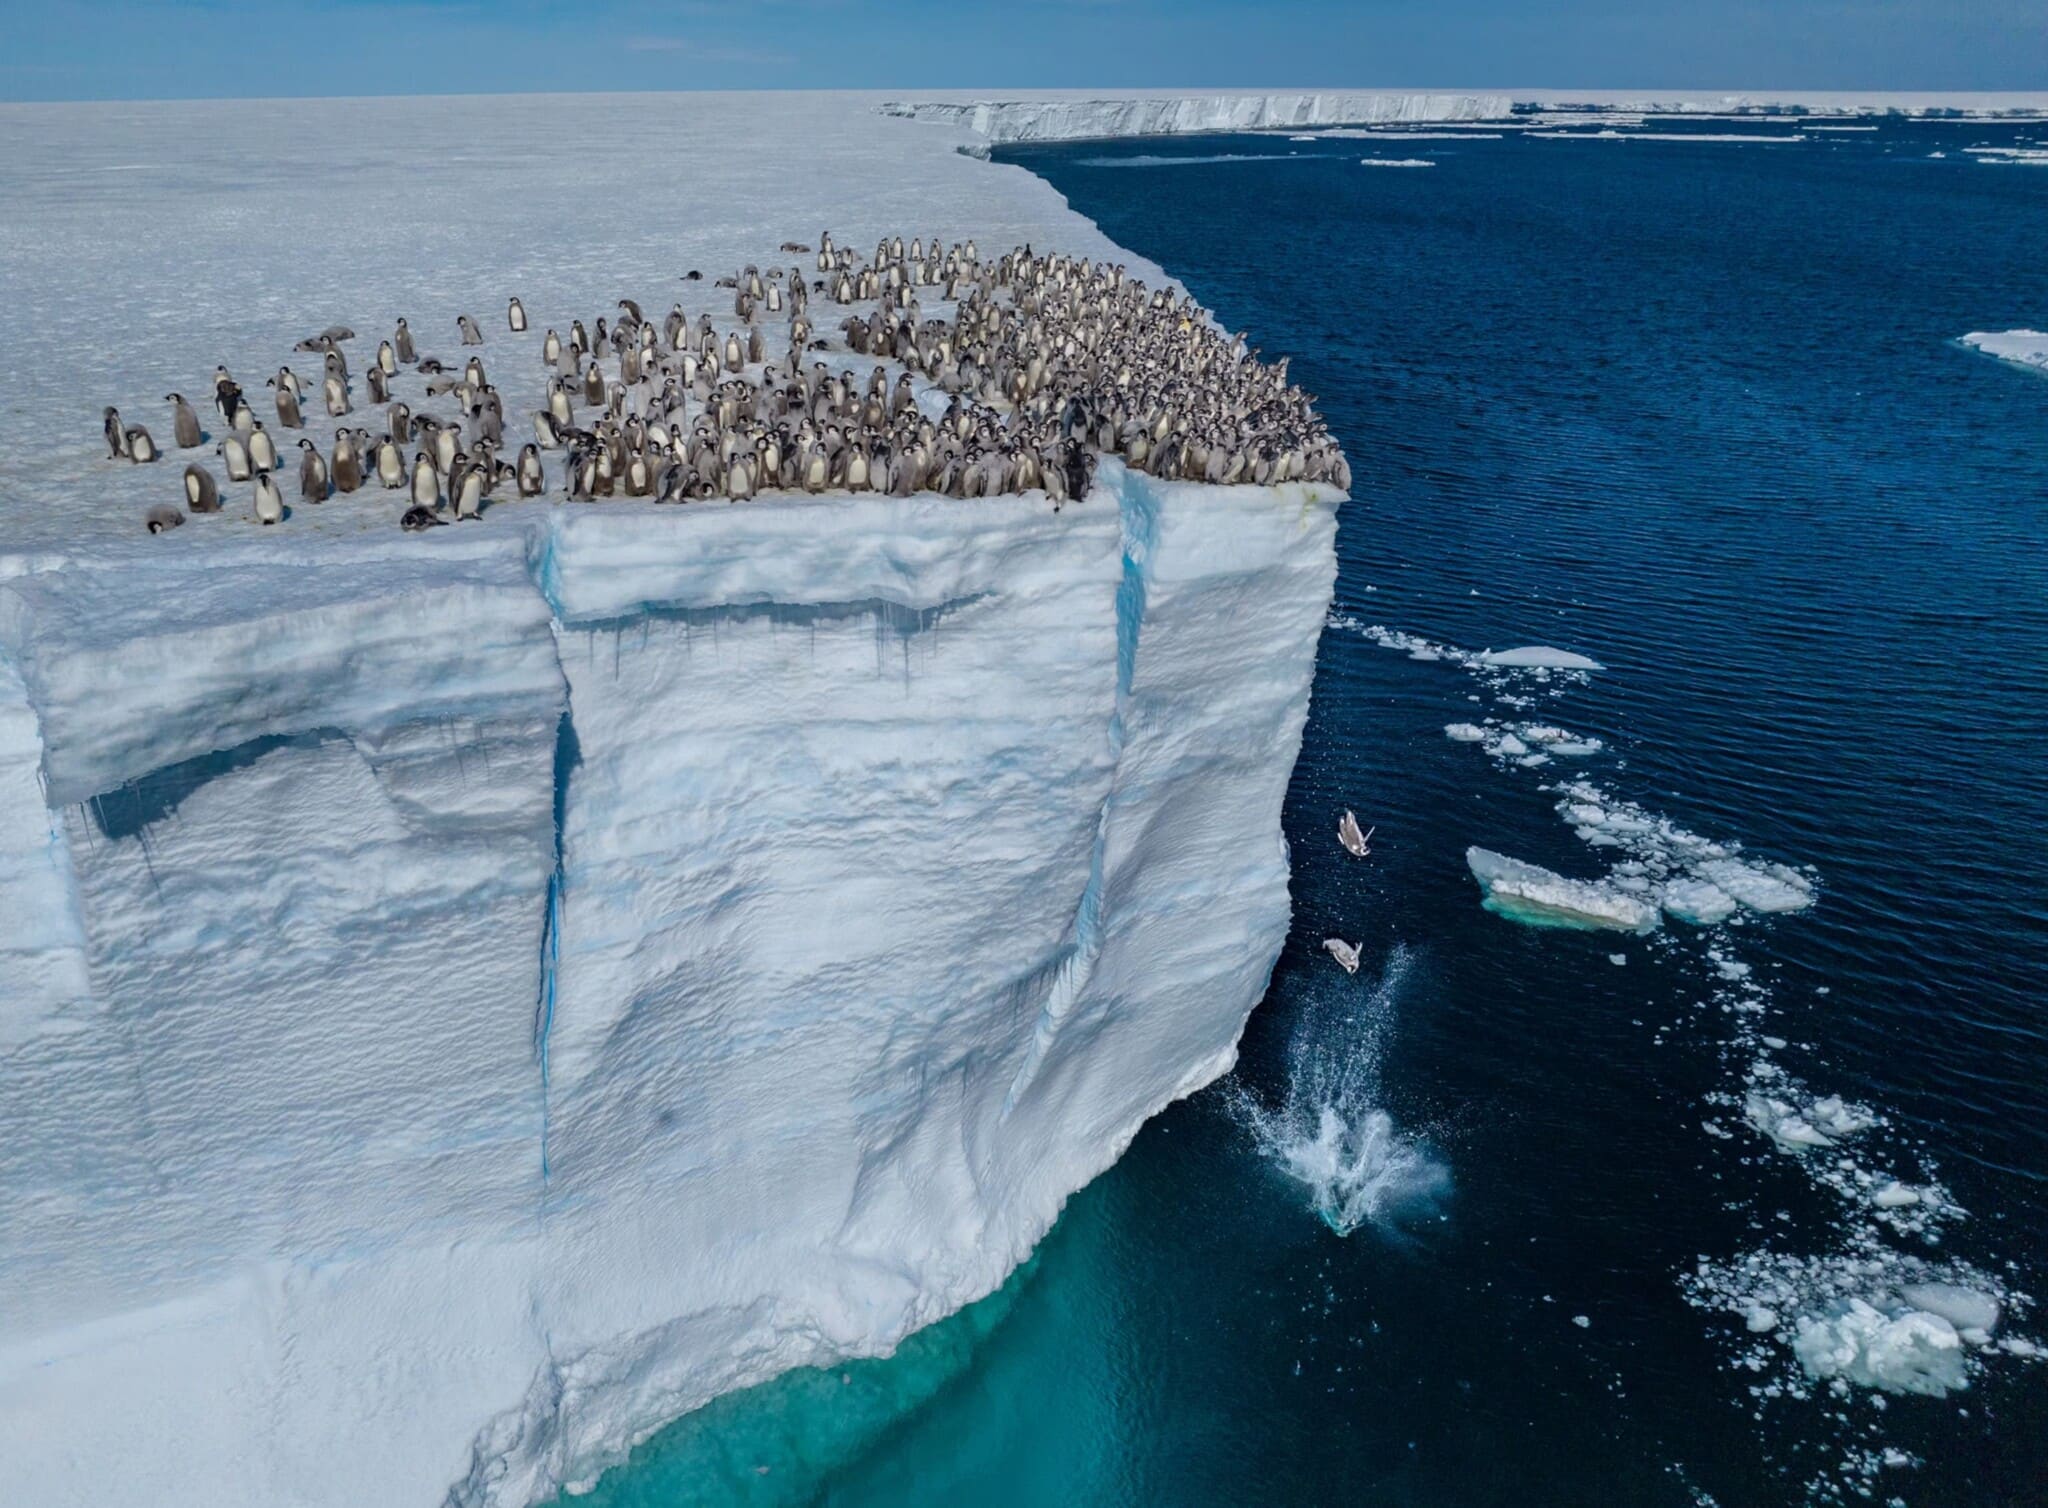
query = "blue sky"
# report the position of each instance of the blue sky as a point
(65, 49)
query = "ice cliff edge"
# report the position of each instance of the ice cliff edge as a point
(464, 1004)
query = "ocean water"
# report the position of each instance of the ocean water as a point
(1527, 1214)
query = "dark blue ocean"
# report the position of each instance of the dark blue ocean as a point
(1694, 410)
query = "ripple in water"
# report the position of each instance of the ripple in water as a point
(1330, 1133)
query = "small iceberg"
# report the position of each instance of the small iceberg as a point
(1539, 897)
(1538, 657)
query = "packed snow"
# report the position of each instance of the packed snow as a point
(488, 993)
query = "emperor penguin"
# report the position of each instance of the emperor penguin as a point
(162, 517)
(245, 416)
(141, 448)
(287, 406)
(593, 385)
(390, 465)
(559, 407)
(387, 359)
(544, 431)
(466, 491)
(471, 335)
(348, 462)
(336, 393)
(286, 377)
(515, 317)
(379, 383)
(312, 472)
(426, 482)
(532, 480)
(551, 349)
(269, 501)
(225, 393)
(262, 449)
(235, 456)
(735, 358)
(402, 340)
(184, 423)
(202, 493)
(447, 442)
(417, 520)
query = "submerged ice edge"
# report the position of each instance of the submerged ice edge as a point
(1882, 1311)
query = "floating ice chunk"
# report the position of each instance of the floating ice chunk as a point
(2027, 348)
(1895, 1196)
(1965, 1308)
(1509, 746)
(1395, 162)
(1538, 656)
(1759, 1320)
(1464, 733)
(1583, 1321)
(1910, 1351)
(1541, 898)
(1700, 902)
(1799, 1125)
(1617, 959)
(1761, 887)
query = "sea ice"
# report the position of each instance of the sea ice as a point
(2027, 348)
(1540, 897)
(489, 993)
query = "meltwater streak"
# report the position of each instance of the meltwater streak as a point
(1330, 1133)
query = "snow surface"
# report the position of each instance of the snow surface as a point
(469, 999)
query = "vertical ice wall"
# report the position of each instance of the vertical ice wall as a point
(474, 1004)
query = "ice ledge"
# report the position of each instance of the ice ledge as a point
(1068, 119)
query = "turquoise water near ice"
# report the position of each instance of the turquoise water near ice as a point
(1694, 409)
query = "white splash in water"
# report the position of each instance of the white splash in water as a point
(1330, 1134)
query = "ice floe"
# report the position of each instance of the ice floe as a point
(1543, 898)
(2026, 348)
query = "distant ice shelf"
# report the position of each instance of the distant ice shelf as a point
(2026, 348)
(1070, 118)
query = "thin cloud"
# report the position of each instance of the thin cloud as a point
(708, 52)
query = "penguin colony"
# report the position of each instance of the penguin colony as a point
(1046, 361)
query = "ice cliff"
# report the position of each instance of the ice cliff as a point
(471, 1002)
(1067, 118)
